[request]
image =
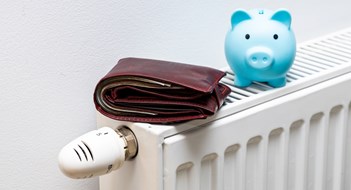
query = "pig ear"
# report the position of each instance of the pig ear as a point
(239, 16)
(282, 16)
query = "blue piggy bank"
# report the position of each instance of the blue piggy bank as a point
(260, 46)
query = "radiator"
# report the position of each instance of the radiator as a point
(293, 138)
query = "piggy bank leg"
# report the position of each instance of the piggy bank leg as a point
(280, 82)
(241, 82)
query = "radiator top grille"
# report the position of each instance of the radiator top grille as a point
(315, 61)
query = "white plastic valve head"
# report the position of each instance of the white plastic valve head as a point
(97, 152)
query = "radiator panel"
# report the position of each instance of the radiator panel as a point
(282, 144)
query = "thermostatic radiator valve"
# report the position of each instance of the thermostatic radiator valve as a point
(98, 152)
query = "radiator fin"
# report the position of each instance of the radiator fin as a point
(232, 168)
(275, 160)
(334, 149)
(209, 174)
(253, 180)
(296, 156)
(316, 150)
(183, 177)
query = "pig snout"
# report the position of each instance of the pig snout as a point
(259, 57)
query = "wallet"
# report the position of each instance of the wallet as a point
(155, 91)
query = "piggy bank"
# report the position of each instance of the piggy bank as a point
(260, 46)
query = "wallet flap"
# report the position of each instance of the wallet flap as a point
(199, 78)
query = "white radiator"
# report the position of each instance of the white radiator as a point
(292, 138)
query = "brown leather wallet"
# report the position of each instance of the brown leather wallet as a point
(154, 91)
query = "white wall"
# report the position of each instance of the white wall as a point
(52, 53)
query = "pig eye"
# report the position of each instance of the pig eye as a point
(275, 36)
(247, 36)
